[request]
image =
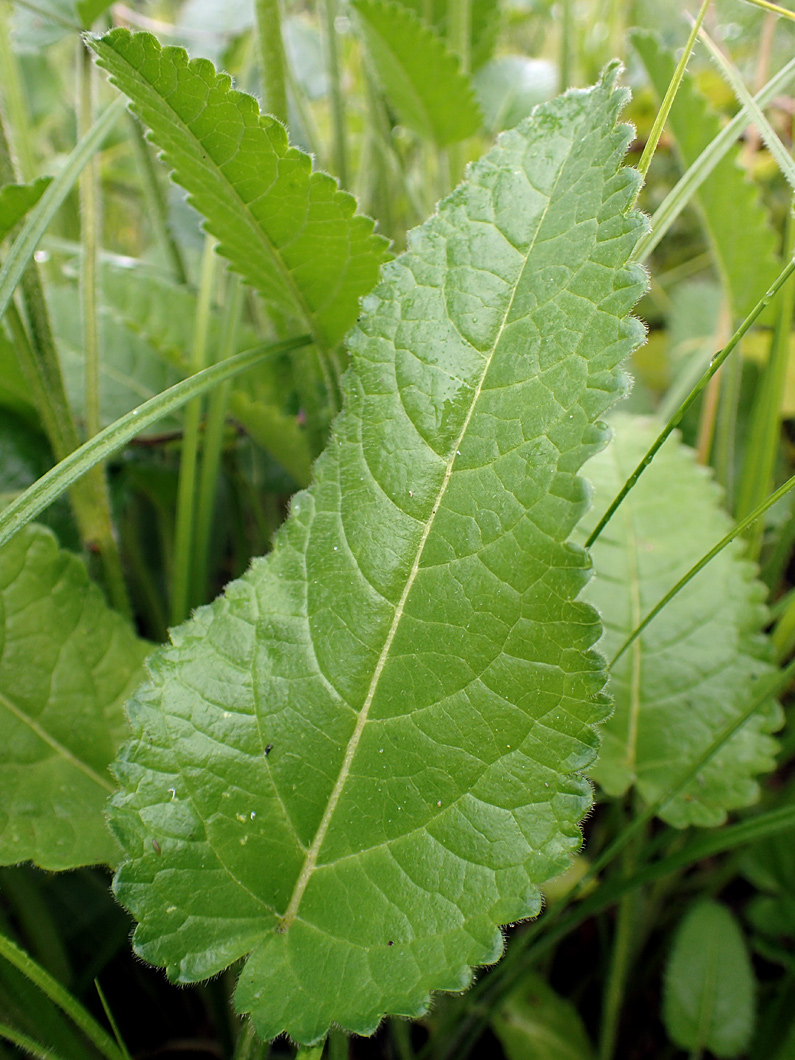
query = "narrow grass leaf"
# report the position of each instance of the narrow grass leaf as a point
(698, 663)
(288, 230)
(366, 755)
(743, 243)
(40, 215)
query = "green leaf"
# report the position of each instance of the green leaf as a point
(535, 1023)
(130, 370)
(289, 231)
(88, 11)
(709, 984)
(509, 87)
(421, 77)
(696, 666)
(365, 756)
(262, 400)
(484, 24)
(67, 663)
(17, 199)
(743, 243)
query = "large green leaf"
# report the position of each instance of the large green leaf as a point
(289, 231)
(709, 984)
(67, 663)
(422, 78)
(743, 243)
(696, 666)
(366, 755)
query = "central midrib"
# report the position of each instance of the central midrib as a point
(58, 747)
(313, 852)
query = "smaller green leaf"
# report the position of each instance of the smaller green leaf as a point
(709, 998)
(422, 78)
(770, 866)
(484, 23)
(287, 229)
(17, 199)
(67, 664)
(509, 87)
(88, 11)
(535, 1023)
(697, 665)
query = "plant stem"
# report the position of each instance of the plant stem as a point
(213, 443)
(565, 45)
(38, 358)
(310, 1052)
(27, 1044)
(338, 1045)
(763, 437)
(337, 101)
(89, 228)
(271, 50)
(156, 202)
(459, 30)
(14, 99)
(181, 594)
(676, 419)
(619, 962)
(776, 8)
(673, 88)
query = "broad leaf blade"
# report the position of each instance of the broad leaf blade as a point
(484, 18)
(535, 1023)
(744, 245)
(697, 664)
(17, 199)
(289, 231)
(709, 984)
(422, 78)
(366, 755)
(67, 663)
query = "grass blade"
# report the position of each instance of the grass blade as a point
(59, 478)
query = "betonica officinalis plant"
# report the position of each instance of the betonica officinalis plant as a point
(397, 605)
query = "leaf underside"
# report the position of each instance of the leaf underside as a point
(697, 665)
(421, 77)
(67, 663)
(288, 230)
(364, 757)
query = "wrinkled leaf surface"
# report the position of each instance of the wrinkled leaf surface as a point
(364, 758)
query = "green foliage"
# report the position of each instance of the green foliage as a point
(422, 78)
(695, 666)
(17, 199)
(741, 238)
(290, 232)
(420, 602)
(709, 984)
(67, 664)
(535, 1023)
(484, 22)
